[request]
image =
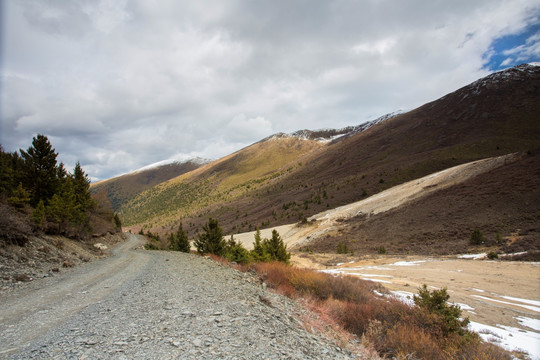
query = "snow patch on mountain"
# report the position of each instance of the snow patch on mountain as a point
(197, 160)
(329, 135)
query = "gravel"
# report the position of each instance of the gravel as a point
(156, 305)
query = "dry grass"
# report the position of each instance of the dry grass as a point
(392, 328)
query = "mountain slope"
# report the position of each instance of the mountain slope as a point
(503, 203)
(494, 116)
(118, 190)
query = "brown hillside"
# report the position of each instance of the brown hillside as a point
(493, 116)
(505, 200)
(120, 189)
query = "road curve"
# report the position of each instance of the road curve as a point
(140, 304)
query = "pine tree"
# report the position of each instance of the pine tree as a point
(276, 248)
(236, 252)
(211, 240)
(259, 252)
(39, 213)
(40, 169)
(180, 241)
(20, 197)
(81, 187)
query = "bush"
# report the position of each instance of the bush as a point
(435, 302)
(342, 248)
(492, 255)
(430, 330)
(477, 238)
(381, 250)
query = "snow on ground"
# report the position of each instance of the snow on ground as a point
(464, 307)
(404, 296)
(408, 263)
(473, 256)
(530, 323)
(526, 301)
(528, 307)
(510, 338)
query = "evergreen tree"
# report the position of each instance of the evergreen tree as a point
(39, 213)
(259, 252)
(117, 221)
(237, 253)
(211, 239)
(276, 248)
(20, 197)
(180, 241)
(6, 172)
(81, 188)
(40, 169)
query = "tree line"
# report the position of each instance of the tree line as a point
(212, 241)
(32, 179)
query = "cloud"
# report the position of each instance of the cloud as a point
(122, 84)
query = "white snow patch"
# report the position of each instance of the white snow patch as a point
(526, 301)
(479, 290)
(530, 323)
(464, 307)
(514, 254)
(473, 256)
(404, 296)
(510, 338)
(408, 263)
(533, 308)
(374, 275)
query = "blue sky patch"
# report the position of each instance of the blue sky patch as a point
(511, 50)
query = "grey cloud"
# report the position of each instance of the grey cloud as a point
(122, 84)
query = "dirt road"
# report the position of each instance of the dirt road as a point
(140, 304)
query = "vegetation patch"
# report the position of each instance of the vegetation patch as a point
(430, 329)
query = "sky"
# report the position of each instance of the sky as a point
(121, 84)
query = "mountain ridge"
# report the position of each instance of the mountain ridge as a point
(272, 186)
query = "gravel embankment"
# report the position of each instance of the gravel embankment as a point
(156, 305)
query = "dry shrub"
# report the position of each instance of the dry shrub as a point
(393, 328)
(405, 342)
(276, 275)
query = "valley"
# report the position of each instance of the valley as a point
(499, 297)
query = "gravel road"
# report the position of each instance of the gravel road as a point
(155, 305)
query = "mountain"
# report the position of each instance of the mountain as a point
(287, 178)
(118, 190)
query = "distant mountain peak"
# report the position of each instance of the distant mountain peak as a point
(328, 135)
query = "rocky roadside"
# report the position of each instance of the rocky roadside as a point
(47, 255)
(177, 305)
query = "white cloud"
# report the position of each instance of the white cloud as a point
(122, 84)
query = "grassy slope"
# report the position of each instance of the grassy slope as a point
(229, 179)
(120, 189)
(484, 119)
